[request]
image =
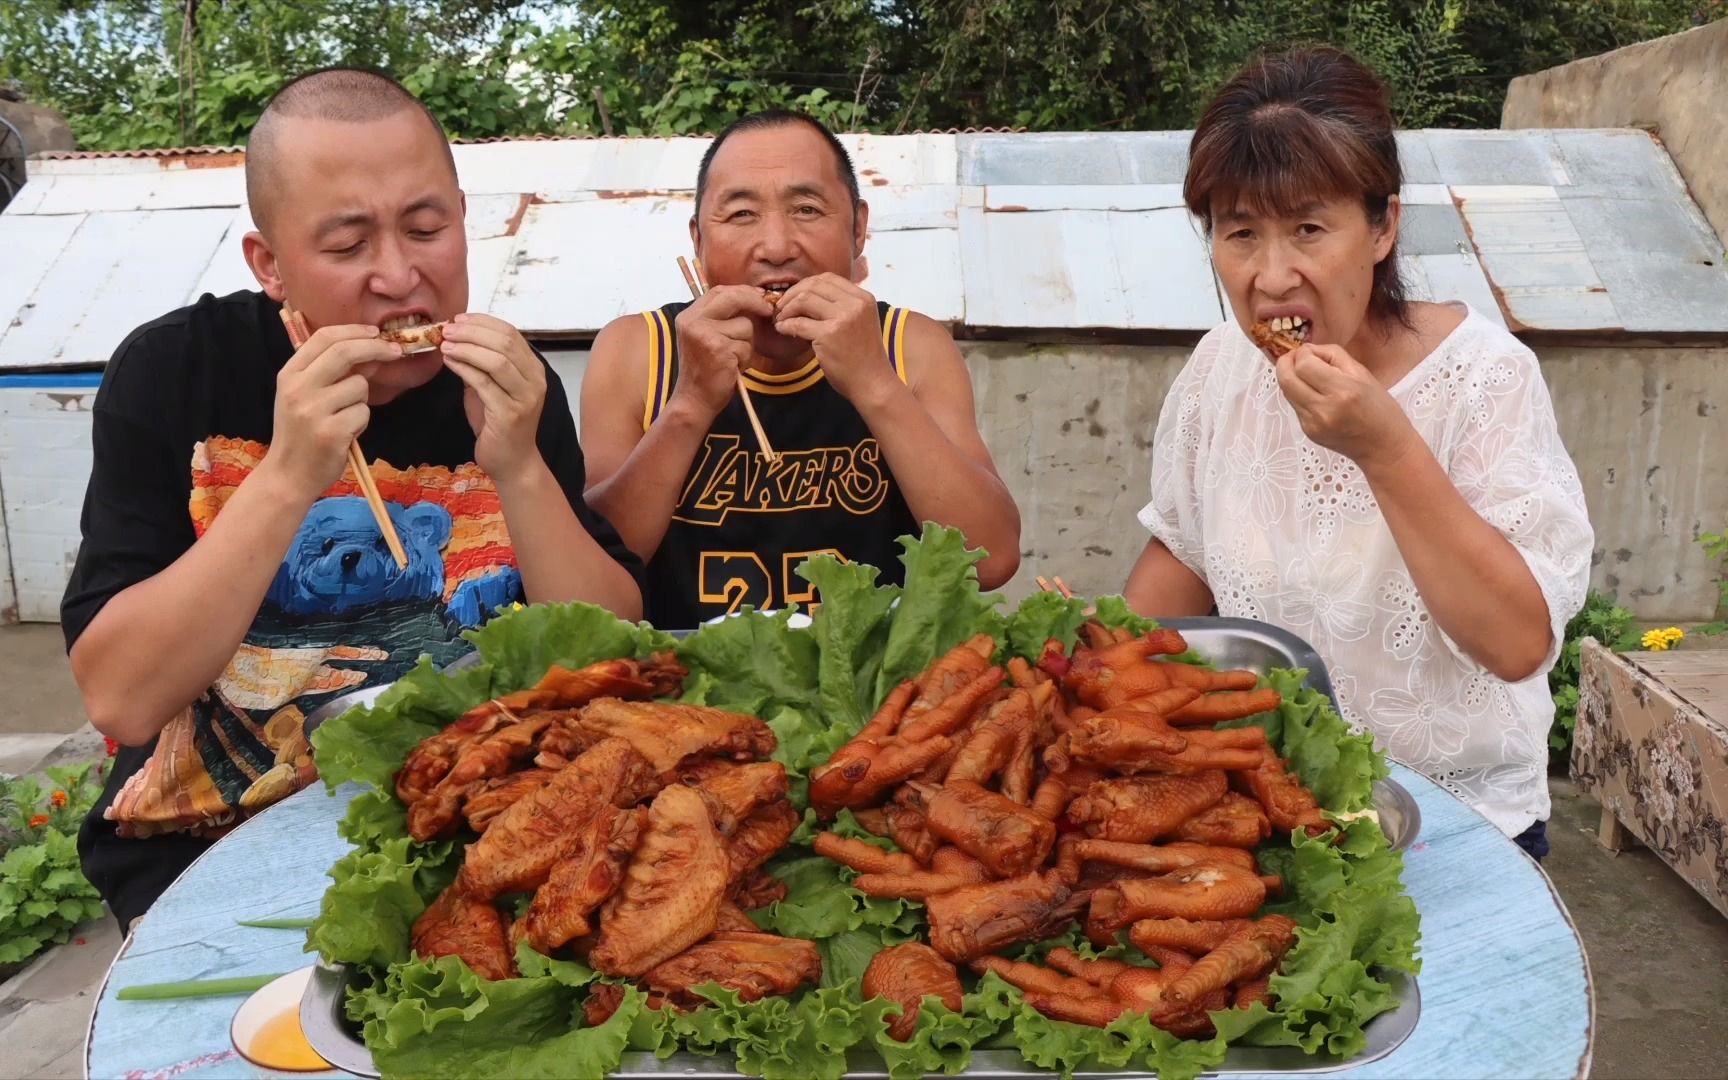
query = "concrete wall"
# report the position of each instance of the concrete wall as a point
(1071, 428)
(1677, 85)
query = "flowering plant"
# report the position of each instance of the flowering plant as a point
(43, 892)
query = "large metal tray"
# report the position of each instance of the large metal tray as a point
(1228, 643)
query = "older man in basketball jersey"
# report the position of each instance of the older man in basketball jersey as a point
(869, 406)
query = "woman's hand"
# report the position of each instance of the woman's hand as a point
(1342, 407)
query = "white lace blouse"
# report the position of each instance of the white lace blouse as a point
(1285, 531)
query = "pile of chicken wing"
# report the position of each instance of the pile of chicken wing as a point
(634, 831)
(1093, 785)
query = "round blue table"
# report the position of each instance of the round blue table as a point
(1505, 986)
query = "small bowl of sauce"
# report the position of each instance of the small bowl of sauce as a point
(266, 1028)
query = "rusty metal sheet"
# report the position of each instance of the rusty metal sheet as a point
(486, 261)
(899, 160)
(1144, 270)
(117, 271)
(1535, 259)
(32, 244)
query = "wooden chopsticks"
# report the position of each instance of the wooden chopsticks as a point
(297, 335)
(1060, 586)
(698, 286)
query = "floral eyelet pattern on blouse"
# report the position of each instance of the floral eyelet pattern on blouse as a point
(1288, 532)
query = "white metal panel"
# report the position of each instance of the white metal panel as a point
(919, 269)
(117, 271)
(486, 260)
(1085, 268)
(1011, 198)
(1531, 251)
(172, 186)
(44, 468)
(492, 215)
(577, 266)
(31, 195)
(31, 245)
(8, 595)
(918, 206)
(227, 270)
(1458, 277)
(578, 164)
(930, 158)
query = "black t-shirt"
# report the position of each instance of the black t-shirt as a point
(184, 412)
(743, 526)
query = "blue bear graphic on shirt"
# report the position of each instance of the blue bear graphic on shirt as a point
(339, 562)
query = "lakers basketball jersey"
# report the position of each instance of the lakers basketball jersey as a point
(743, 526)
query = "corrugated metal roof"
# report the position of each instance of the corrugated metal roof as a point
(1567, 230)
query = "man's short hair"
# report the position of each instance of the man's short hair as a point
(353, 95)
(773, 118)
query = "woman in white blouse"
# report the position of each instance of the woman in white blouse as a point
(1395, 490)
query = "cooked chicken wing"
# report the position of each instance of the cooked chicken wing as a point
(1142, 808)
(753, 964)
(1288, 804)
(758, 889)
(482, 758)
(738, 790)
(1233, 821)
(1203, 892)
(661, 675)
(582, 880)
(908, 974)
(1247, 954)
(672, 890)
(667, 734)
(521, 845)
(759, 838)
(489, 798)
(977, 919)
(1002, 834)
(430, 760)
(458, 924)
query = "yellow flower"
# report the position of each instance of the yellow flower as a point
(1663, 640)
(518, 606)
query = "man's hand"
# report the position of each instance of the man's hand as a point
(321, 406)
(506, 390)
(716, 339)
(840, 320)
(1342, 407)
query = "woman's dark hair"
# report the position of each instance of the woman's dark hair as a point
(1297, 126)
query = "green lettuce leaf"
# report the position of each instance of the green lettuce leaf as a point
(373, 817)
(755, 662)
(779, 1038)
(850, 629)
(940, 606)
(367, 914)
(1040, 617)
(1339, 766)
(369, 744)
(439, 1019)
(1114, 612)
(522, 645)
(942, 1042)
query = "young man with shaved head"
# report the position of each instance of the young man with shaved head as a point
(868, 406)
(232, 577)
